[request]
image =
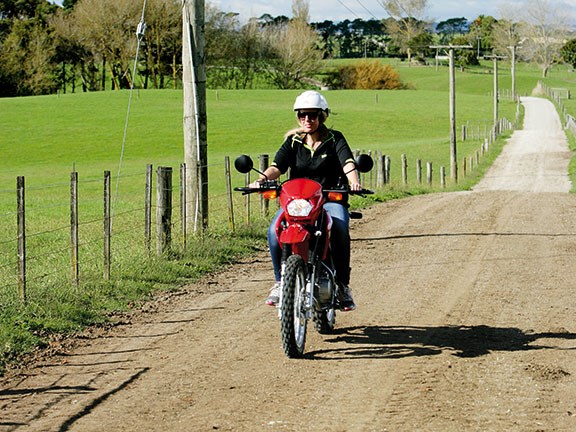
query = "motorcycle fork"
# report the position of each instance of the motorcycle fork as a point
(286, 252)
(315, 264)
(308, 304)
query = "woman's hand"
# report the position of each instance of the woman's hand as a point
(256, 183)
(355, 187)
(353, 178)
(270, 173)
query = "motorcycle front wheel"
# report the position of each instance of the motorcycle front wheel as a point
(293, 307)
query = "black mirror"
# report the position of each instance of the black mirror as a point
(364, 163)
(243, 164)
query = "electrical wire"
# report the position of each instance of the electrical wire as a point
(140, 30)
(349, 10)
(366, 9)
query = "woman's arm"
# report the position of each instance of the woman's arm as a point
(352, 175)
(270, 173)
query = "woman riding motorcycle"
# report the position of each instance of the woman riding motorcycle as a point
(316, 152)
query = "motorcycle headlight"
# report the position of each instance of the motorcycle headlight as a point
(299, 207)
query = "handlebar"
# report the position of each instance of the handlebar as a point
(264, 186)
(274, 185)
(350, 192)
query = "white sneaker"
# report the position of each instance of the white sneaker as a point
(274, 296)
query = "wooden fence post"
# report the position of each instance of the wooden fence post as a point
(404, 170)
(419, 171)
(163, 209)
(74, 227)
(443, 177)
(228, 176)
(264, 203)
(387, 169)
(371, 173)
(247, 201)
(21, 202)
(148, 209)
(107, 226)
(429, 173)
(183, 207)
(381, 174)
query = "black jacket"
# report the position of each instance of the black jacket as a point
(324, 165)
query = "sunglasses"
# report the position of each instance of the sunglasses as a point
(312, 115)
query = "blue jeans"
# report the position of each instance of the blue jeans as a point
(339, 242)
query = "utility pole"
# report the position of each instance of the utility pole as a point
(496, 90)
(453, 155)
(195, 125)
(513, 71)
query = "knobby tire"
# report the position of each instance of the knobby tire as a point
(293, 320)
(324, 320)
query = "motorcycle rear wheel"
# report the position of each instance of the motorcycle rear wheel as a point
(324, 320)
(293, 314)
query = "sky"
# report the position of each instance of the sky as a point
(339, 10)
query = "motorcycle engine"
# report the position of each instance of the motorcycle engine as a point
(324, 287)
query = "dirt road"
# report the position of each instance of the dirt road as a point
(465, 322)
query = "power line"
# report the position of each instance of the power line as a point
(350, 10)
(366, 9)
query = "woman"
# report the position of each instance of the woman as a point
(313, 151)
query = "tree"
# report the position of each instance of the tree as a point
(480, 34)
(506, 35)
(408, 23)
(108, 29)
(221, 34)
(234, 53)
(545, 33)
(68, 5)
(294, 46)
(452, 27)
(26, 48)
(464, 57)
(72, 57)
(162, 41)
(569, 52)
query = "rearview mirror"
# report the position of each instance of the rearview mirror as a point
(243, 164)
(364, 163)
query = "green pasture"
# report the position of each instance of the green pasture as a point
(45, 138)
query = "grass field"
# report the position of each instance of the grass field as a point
(45, 138)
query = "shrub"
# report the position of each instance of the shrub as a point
(366, 75)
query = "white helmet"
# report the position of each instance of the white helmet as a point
(311, 99)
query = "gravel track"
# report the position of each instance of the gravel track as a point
(464, 322)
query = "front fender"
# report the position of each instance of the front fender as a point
(293, 234)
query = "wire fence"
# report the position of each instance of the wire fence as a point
(70, 232)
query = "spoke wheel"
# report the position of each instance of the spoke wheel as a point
(293, 313)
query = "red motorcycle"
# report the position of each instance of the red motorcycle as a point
(309, 288)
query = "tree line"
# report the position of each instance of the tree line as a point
(89, 45)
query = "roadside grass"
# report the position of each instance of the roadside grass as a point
(44, 138)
